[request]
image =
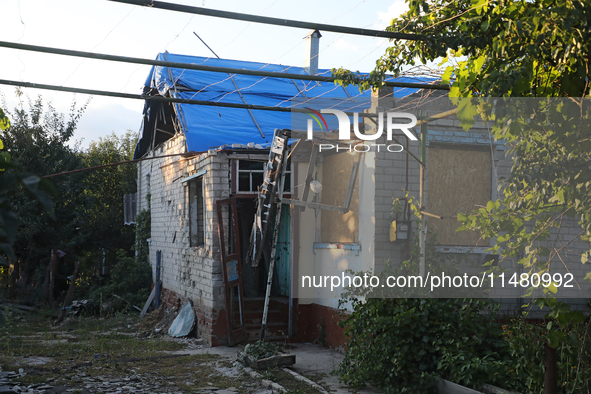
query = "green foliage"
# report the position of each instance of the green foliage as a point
(511, 48)
(38, 142)
(526, 342)
(88, 220)
(495, 48)
(403, 345)
(258, 350)
(104, 189)
(130, 279)
(4, 122)
(11, 180)
(143, 224)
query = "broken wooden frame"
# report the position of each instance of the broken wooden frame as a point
(304, 203)
(232, 268)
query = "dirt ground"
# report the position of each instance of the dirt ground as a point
(106, 355)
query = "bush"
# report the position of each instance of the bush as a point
(130, 279)
(404, 345)
(526, 342)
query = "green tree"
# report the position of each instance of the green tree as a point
(37, 141)
(88, 222)
(105, 189)
(511, 48)
(494, 48)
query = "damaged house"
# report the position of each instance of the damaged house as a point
(206, 166)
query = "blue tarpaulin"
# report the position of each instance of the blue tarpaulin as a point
(208, 127)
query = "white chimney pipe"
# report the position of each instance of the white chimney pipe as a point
(312, 48)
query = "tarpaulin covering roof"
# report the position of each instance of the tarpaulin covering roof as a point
(208, 127)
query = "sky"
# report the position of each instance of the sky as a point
(120, 29)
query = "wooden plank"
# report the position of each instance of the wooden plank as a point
(313, 205)
(149, 301)
(275, 361)
(69, 295)
(311, 166)
(352, 180)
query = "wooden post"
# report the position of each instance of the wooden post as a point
(69, 295)
(550, 383)
(158, 283)
(52, 272)
(423, 232)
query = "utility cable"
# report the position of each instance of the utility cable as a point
(272, 21)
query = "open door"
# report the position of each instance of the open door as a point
(232, 268)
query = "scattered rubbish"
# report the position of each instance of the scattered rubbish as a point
(150, 321)
(263, 355)
(184, 322)
(157, 322)
(127, 302)
(78, 306)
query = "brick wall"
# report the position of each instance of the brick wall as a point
(187, 272)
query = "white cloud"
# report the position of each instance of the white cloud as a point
(394, 10)
(100, 121)
(342, 44)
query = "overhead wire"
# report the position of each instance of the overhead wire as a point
(271, 21)
(307, 87)
(93, 48)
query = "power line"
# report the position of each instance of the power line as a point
(199, 67)
(272, 21)
(186, 155)
(157, 98)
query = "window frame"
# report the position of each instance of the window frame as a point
(235, 177)
(193, 189)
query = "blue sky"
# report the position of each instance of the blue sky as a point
(120, 29)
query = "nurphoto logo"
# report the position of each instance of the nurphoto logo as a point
(345, 129)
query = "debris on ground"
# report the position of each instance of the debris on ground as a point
(108, 358)
(164, 324)
(157, 322)
(149, 321)
(78, 306)
(263, 355)
(133, 382)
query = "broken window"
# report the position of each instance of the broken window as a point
(459, 180)
(196, 212)
(250, 176)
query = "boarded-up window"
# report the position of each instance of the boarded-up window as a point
(336, 172)
(458, 181)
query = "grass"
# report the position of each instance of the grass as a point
(89, 348)
(291, 384)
